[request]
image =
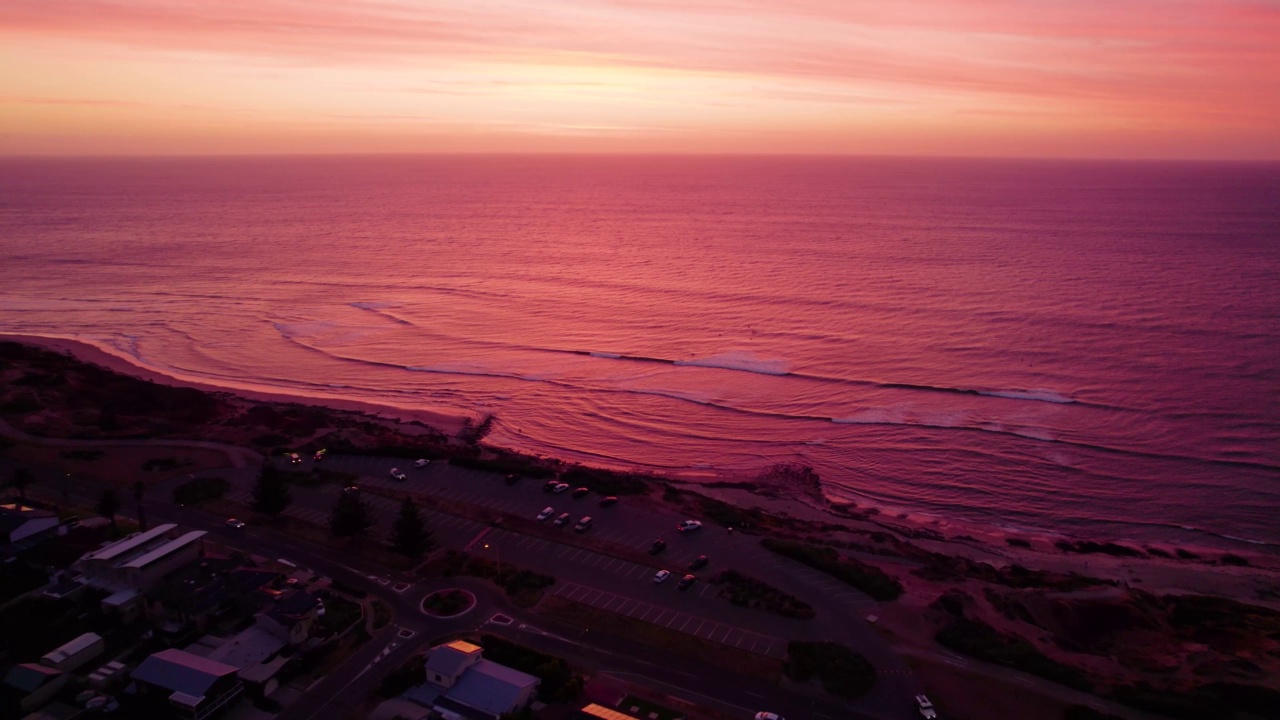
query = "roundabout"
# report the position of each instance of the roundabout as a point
(448, 603)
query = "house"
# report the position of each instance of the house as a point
(138, 562)
(33, 685)
(291, 616)
(594, 711)
(462, 685)
(19, 521)
(192, 687)
(75, 653)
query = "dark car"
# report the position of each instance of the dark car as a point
(686, 582)
(581, 492)
(561, 519)
(698, 562)
(658, 546)
(351, 489)
(512, 479)
(550, 486)
(607, 501)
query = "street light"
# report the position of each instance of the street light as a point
(497, 552)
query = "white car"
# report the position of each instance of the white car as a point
(560, 487)
(926, 708)
(689, 526)
(662, 576)
(769, 716)
(421, 463)
(547, 512)
(395, 473)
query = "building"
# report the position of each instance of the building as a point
(75, 653)
(18, 522)
(595, 711)
(291, 616)
(462, 685)
(192, 687)
(32, 685)
(137, 562)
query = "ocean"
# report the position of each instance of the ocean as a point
(1086, 348)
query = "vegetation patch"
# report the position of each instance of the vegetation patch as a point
(1088, 547)
(320, 476)
(339, 614)
(746, 591)
(524, 587)
(841, 671)
(162, 464)
(194, 492)
(606, 482)
(85, 455)
(504, 466)
(645, 709)
(946, 568)
(404, 677)
(867, 578)
(447, 603)
(979, 640)
(630, 630)
(559, 683)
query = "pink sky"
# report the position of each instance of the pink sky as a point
(1060, 78)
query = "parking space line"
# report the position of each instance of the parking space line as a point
(754, 643)
(616, 598)
(688, 619)
(658, 620)
(632, 611)
(739, 643)
(699, 629)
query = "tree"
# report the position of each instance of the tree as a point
(410, 536)
(108, 506)
(351, 515)
(140, 489)
(21, 479)
(271, 491)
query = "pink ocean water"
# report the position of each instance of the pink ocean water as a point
(1086, 348)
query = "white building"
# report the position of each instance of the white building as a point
(18, 521)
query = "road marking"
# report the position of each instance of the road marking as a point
(688, 620)
(699, 630)
(754, 643)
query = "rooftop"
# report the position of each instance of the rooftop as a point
(181, 672)
(83, 642)
(15, 515)
(124, 545)
(165, 550)
(29, 677)
(490, 687)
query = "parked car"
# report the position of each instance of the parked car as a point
(926, 708)
(769, 716)
(607, 501)
(395, 473)
(294, 458)
(698, 562)
(511, 479)
(351, 489)
(421, 462)
(550, 485)
(319, 455)
(234, 523)
(560, 487)
(547, 512)
(562, 518)
(689, 526)
(686, 582)
(658, 546)
(583, 524)
(580, 492)
(662, 576)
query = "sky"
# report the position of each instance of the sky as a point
(1005, 78)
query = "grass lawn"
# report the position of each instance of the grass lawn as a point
(339, 614)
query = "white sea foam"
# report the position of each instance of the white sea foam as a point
(1040, 395)
(740, 360)
(373, 305)
(614, 356)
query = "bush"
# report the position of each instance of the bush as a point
(746, 591)
(447, 603)
(979, 640)
(193, 492)
(411, 673)
(841, 671)
(867, 578)
(1015, 542)
(606, 482)
(1231, 559)
(524, 587)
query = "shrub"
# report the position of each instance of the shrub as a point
(1232, 559)
(867, 578)
(746, 591)
(841, 671)
(606, 482)
(979, 640)
(559, 683)
(1015, 542)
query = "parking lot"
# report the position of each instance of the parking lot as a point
(674, 619)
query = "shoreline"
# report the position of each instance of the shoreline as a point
(807, 505)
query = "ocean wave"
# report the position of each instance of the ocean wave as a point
(373, 305)
(739, 360)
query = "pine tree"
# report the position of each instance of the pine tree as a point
(21, 478)
(271, 491)
(108, 506)
(139, 490)
(410, 536)
(351, 516)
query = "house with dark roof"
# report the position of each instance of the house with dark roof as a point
(291, 616)
(191, 687)
(462, 685)
(19, 521)
(30, 686)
